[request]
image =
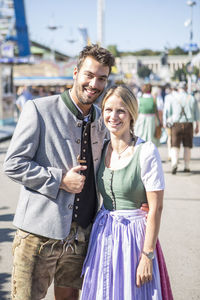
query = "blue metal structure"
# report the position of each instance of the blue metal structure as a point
(21, 38)
(21, 28)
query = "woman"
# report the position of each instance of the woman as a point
(150, 115)
(122, 261)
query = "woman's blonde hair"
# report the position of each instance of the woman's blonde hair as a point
(127, 97)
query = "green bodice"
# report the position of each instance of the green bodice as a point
(146, 105)
(123, 188)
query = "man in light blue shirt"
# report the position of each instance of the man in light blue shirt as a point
(172, 93)
(180, 114)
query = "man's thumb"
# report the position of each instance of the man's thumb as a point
(79, 168)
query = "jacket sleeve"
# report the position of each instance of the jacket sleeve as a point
(19, 163)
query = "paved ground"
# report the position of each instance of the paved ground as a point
(6, 131)
(179, 234)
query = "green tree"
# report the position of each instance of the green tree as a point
(143, 71)
(176, 51)
(144, 52)
(113, 50)
(148, 52)
(181, 74)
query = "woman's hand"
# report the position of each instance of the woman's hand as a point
(144, 271)
(155, 204)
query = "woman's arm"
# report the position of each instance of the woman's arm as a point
(145, 269)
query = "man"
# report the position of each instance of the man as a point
(182, 111)
(171, 94)
(24, 96)
(54, 153)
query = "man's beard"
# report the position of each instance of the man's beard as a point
(84, 99)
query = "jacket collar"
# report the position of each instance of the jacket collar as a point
(71, 106)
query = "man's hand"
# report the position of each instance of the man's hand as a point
(72, 181)
(145, 207)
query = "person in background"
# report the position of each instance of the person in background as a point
(182, 112)
(24, 94)
(54, 154)
(167, 120)
(122, 262)
(150, 115)
(156, 92)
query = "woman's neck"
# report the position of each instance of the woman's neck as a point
(119, 151)
(119, 143)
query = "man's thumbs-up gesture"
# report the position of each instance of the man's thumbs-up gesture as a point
(73, 181)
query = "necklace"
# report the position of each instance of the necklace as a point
(119, 154)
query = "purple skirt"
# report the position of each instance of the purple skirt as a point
(115, 246)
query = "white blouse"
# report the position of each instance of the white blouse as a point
(152, 174)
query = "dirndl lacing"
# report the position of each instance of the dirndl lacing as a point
(114, 250)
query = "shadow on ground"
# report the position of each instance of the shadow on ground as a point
(4, 278)
(182, 173)
(6, 235)
(4, 207)
(7, 217)
(196, 141)
(3, 150)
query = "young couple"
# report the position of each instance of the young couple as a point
(56, 155)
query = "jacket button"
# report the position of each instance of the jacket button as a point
(70, 206)
(78, 141)
(79, 124)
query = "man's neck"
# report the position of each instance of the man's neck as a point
(84, 109)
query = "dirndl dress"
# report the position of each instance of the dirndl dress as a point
(145, 128)
(115, 246)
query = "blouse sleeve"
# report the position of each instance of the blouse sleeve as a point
(151, 168)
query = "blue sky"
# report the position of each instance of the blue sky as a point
(130, 24)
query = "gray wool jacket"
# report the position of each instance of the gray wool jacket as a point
(45, 144)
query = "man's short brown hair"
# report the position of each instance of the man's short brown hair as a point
(100, 54)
